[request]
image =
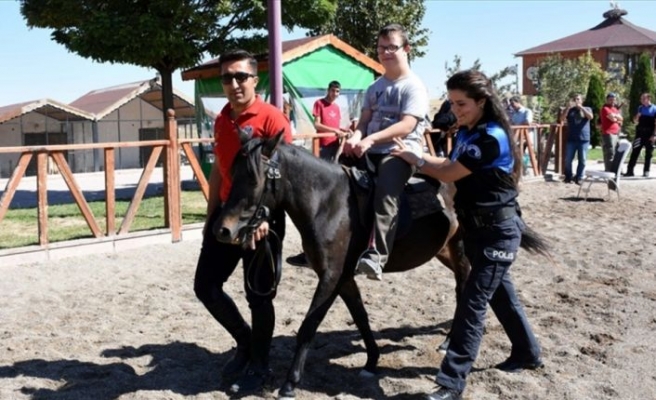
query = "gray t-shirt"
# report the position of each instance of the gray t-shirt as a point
(388, 101)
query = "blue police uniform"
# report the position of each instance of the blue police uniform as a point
(644, 131)
(487, 210)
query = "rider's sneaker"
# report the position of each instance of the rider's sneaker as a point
(444, 394)
(372, 268)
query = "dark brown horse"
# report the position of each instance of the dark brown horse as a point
(321, 203)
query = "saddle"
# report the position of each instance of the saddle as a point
(419, 198)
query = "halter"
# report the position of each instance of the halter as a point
(271, 175)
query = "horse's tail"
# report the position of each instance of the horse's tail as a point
(535, 243)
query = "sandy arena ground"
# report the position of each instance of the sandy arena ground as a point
(127, 326)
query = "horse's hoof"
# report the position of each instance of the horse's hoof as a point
(367, 374)
(286, 392)
(444, 346)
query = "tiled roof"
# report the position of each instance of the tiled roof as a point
(612, 32)
(101, 102)
(291, 49)
(48, 107)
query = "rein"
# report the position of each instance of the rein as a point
(264, 254)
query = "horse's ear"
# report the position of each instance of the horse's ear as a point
(243, 135)
(271, 144)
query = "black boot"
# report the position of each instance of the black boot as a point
(258, 375)
(226, 313)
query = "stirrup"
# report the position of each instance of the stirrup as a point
(370, 267)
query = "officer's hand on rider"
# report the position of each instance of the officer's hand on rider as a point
(260, 233)
(402, 151)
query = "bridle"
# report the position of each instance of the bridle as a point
(262, 213)
(264, 255)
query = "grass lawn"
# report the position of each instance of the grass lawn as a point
(595, 154)
(65, 222)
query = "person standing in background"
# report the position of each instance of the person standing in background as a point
(327, 118)
(578, 119)
(611, 123)
(645, 135)
(521, 115)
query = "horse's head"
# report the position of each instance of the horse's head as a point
(254, 172)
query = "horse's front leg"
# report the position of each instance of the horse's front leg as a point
(350, 293)
(324, 296)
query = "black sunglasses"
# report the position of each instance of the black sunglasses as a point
(240, 77)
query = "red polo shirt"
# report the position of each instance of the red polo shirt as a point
(609, 127)
(260, 118)
(329, 115)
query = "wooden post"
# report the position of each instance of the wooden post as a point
(172, 175)
(546, 152)
(76, 192)
(197, 169)
(42, 196)
(110, 193)
(560, 154)
(531, 152)
(315, 147)
(12, 184)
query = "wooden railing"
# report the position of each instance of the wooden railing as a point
(168, 148)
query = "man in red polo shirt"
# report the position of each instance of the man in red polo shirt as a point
(217, 260)
(327, 117)
(611, 123)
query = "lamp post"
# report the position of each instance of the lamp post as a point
(275, 52)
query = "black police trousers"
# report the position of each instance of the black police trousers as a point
(491, 250)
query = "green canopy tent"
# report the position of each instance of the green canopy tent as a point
(309, 64)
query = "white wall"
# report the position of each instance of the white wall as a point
(123, 124)
(10, 135)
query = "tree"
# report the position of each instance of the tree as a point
(559, 78)
(165, 34)
(503, 89)
(595, 99)
(357, 22)
(641, 82)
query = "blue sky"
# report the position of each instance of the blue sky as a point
(32, 66)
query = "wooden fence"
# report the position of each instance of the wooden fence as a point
(168, 149)
(550, 136)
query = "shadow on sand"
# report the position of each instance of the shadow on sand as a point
(187, 369)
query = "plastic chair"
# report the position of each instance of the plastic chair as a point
(611, 179)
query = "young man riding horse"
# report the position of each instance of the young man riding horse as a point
(395, 106)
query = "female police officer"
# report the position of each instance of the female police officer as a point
(485, 167)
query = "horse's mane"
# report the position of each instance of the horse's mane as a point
(308, 159)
